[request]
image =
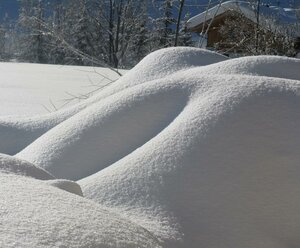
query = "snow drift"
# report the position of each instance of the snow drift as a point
(17, 166)
(267, 66)
(18, 132)
(37, 215)
(224, 174)
(66, 185)
(198, 154)
(26, 88)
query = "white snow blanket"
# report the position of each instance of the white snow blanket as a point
(34, 214)
(18, 132)
(188, 149)
(30, 89)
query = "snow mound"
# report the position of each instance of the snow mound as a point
(223, 173)
(109, 130)
(37, 215)
(66, 185)
(268, 66)
(198, 159)
(169, 60)
(199, 156)
(17, 166)
(17, 133)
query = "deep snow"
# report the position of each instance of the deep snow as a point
(28, 89)
(34, 214)
(18, 132)
(188, 149)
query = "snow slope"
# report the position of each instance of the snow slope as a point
(202, 153)
(17, 133)
(27, 89)
(37, 215)
(229, 171)
(267, 66)
(21, 167)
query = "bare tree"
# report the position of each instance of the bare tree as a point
(246, 37)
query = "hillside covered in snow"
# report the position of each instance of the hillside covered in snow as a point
(187, 149)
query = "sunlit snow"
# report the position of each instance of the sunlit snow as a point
(187, 149)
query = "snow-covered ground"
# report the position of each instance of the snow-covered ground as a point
(29, 89)
(187, 149)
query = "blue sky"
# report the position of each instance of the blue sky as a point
(11, 6)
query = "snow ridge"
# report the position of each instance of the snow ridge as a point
(188, 149)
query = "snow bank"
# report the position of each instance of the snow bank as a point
(205, 155)
(166, 61)
(109, 130)
(268, 66)
(66, 185)
(17, 133)
(223, 173)
(34, 214)
(13, 165)
(26, 89)
(17, 166)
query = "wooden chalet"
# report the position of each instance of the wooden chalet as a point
(211, 21)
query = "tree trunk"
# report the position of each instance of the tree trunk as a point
(178, 21)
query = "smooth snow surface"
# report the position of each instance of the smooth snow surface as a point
(267, 66)
(10, 164)
(29, 89)
(66, 185)
(18, 132)
(194, 149)
(37, 215)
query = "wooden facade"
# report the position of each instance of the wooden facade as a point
(213, 35)
(234, 30)
(224, 41)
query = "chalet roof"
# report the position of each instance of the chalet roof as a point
(283, 15)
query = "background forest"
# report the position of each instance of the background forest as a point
(116, 33)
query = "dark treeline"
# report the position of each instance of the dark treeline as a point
(117, 33)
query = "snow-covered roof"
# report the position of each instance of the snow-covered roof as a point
(283, 15)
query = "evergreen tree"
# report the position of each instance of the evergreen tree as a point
(83, 31)
(57, 24)
(140, 43)
(166, 22)
(34, 42)
(115, 32)
(2, 42)
(80, 34)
